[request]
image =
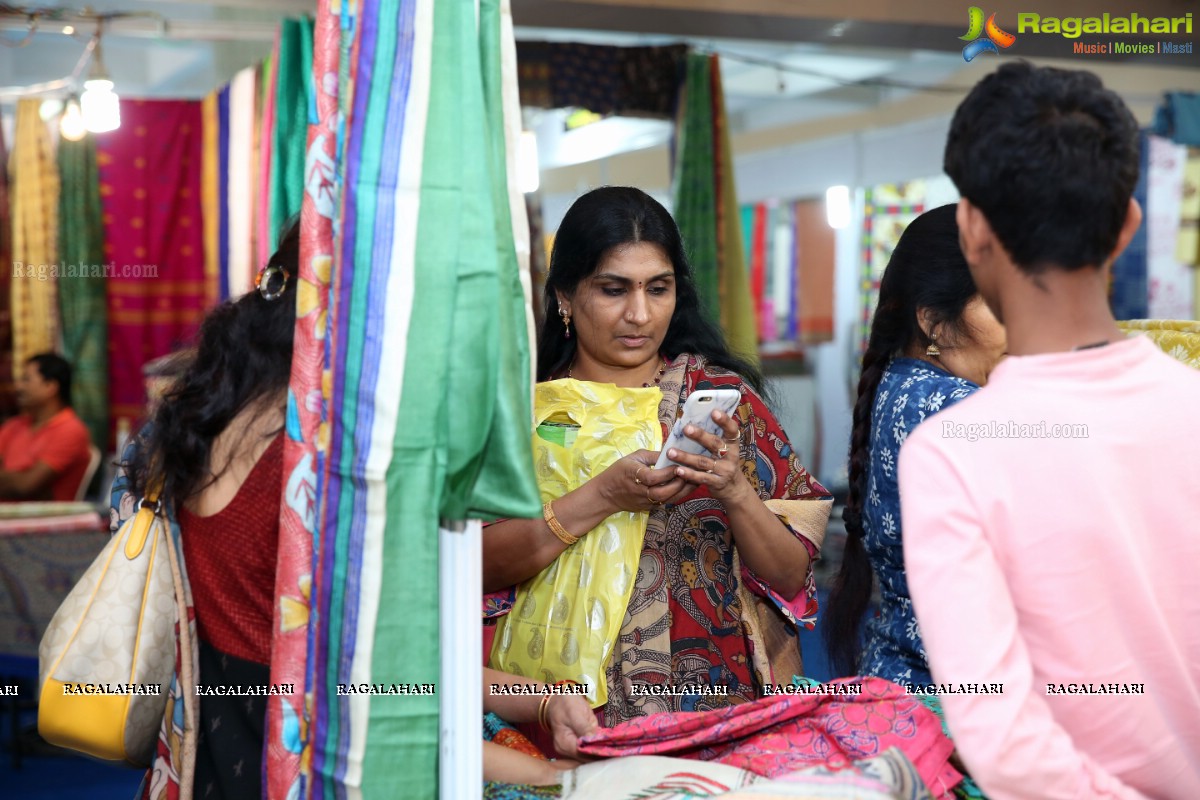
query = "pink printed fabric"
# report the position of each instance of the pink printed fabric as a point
(783, 733)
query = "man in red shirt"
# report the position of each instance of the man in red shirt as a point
(44, 450)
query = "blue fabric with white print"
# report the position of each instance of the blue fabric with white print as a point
(910, 390)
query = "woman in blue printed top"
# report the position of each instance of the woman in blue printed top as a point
(933, 342)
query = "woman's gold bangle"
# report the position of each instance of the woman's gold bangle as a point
(556, 527)
(543, 707)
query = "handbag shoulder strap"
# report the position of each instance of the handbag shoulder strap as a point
(147, 510)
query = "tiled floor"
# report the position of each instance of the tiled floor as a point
(42, 776)
(66, 778)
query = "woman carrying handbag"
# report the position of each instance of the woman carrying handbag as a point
(218, 434)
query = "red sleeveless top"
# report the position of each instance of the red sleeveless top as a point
(230, 561)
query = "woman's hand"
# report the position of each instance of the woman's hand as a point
(570, 718)
(632, 483)
(721, 469)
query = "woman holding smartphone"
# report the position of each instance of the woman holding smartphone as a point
(725, 575)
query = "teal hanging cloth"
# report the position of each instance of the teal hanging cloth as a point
(293, 96)
(82, 303)
(695, 189)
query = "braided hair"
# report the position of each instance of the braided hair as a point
(927, 272)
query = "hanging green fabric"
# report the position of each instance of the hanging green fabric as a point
(499, 448)
(738, 316)
(695, 190)
(82, 303)
(292, 101)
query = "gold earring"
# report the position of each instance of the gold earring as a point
(566, 318)
(932, 350)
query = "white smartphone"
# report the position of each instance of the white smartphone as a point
(698, 411)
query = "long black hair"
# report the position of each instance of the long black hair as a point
(926, 271)
(243, 358)
(596, 223)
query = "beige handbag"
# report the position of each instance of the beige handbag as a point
(107, 658)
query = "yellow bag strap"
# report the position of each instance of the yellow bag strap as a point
(147, 510)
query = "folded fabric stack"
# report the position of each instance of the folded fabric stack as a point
(849, 721)
(1179, 339)
(888, 776)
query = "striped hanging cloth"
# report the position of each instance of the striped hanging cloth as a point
(34, 195)
(82, 300)
(307, 427)
(425, 260)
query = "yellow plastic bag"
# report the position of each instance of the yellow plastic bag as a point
(566, 619)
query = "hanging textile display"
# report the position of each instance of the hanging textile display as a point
(8, 390)
(231, 185)
(1171, 282)
(888, 209)
(307, 418)
(1178, 118)
(223, 192)
(1187, 249)
(290, 125)
(759, 258)
(248, 199)
(150, 187)
(210, 197)
(739, 315)
(34, 194)
(783, 238)
(82, 300)
(816, 244)
(706, 206)
(240, 186)
(425, 213)
(694, 191)
(1129, 284)
(266, 139)
(600, 78)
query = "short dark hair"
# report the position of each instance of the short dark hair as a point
(1051, 158)
(607, 218)
(54, 367)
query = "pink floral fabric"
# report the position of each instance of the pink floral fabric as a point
(783, 733)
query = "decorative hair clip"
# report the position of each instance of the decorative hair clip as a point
(272, 281)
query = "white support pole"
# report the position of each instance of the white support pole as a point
(460, 688)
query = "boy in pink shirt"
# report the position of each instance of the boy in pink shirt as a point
(1052, 520)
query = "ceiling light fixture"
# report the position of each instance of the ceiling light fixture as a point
(837, 206)
(527, 163)
(101, 106)
(71, 124)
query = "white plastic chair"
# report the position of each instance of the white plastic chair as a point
(94, 457)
